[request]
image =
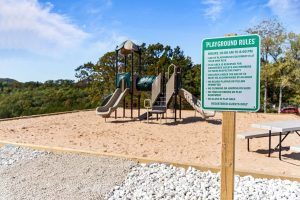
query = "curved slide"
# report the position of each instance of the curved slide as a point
(195, 103)
(113, 103)
(106, 99)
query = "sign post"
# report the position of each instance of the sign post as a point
(228, 155)
(230, 82)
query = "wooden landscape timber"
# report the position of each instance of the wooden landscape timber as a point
(43, 115)
(144, 160)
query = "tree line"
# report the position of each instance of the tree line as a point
(30, 98)
(280, 61)
(280, 77)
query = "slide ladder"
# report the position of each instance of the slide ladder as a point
(157, 99)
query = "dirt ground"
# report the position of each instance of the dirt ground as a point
(192, 140)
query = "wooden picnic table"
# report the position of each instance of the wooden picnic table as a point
(283, 127)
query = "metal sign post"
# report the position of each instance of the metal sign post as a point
(230, 82)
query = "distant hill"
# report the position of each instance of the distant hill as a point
(8, 80)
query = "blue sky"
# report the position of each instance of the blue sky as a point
(47, 39)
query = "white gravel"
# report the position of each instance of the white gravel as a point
(31, 174)
(10, 154)
(160, 181)
(36, 175)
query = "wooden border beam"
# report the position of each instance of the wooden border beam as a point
(44, 115)
(148, 160)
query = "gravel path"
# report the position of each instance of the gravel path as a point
(58, 176)
(10, 155)
(159, 181)
(29, 174)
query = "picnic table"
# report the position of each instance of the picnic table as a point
(283, 127)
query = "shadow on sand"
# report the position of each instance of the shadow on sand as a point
(170, 121)
(120, 120)
(189, 120)
(292, 156)
(266, 151)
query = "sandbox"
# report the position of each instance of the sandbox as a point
(191, 140)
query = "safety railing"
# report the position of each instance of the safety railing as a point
(170, 88)
(156, 89)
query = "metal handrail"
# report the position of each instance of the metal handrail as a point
(156, 88)
(170, 88)
(174, 67)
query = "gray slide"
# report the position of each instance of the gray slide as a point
(113, 103)
(195, 103)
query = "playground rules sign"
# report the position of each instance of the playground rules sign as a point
(231, 73)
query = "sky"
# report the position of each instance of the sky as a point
(47, 39)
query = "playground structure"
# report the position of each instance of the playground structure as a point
(164, 90)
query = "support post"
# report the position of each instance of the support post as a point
(116, 67)
(248, 144)
(147, 115)
(124, 101)
(228, 155)
(175, 105)
(140, 69)
(176, 91)
(270, 141)
(116, 73)
(124, 107)
(180, 99)
(139, 105)
(280, 147)
(132, 82)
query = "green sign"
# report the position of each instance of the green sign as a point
(231, 73)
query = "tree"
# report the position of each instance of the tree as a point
(1, 86)
(191, 81)
(273, 36)
(85, 72)
(294, 41)
(104, 76)
(294, 50)
(286, 72)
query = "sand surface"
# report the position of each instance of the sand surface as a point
(191, 140)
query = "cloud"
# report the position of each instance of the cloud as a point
(37, 43)
(288, 11)
(108, 3)
(285, 8)
(28, 25)
(215, 8)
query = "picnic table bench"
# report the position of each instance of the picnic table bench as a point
(295, 148)
(269, 129)
(254, 134)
